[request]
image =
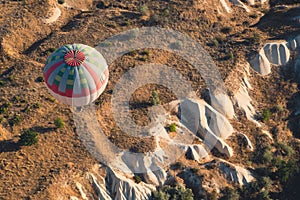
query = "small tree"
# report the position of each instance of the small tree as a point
(172, 127)
(137, 179)
(266, 115)
(59, 123)
(155, 99)
(174, 193)
(28, 138)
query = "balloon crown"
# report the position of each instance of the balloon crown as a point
(74, 58)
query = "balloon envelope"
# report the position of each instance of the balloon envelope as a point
(76, 74)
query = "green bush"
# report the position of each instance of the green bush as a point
(172, 127)
(256, 38)
(137, 178)
(173, 193)
(287, 150)
(230, 194)
(28, 138)
(144, 9)
(15, 120)
(286, 170)
(59, 123)
(266, 115)
(160, 195)
(155, 99)
(267, 155)
(11, 78)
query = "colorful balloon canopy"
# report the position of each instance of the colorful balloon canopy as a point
(76, 74)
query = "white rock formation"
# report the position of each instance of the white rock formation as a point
(56, 12)
(222, 103)
(242, 99)
(292, 45)
(234, 173)
(247, 141)
(261, 63)
(240, 4)
(123, 188)
(277, 53)
(100, 189)
(251, 2)
(225, 6)
(201, 118)
(196, 152)
(119, 187)
(272, 53)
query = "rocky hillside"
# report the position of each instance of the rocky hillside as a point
(242, 143)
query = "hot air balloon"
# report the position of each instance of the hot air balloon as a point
(76, 74)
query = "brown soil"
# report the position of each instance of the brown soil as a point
(59, 158)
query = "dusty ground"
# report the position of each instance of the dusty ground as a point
(26, 41)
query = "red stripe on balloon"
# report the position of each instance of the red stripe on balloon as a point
(51, 69)
(94, 76)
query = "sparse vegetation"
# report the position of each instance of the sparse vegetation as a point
(266, 115)
(155, 98)
(144, 9)
(11, 78)
(143, 58)
(267, 155)
(173, 193)
(36, 105)
(256, 38)
(28, 138)
(172, 127)
(137, 179)
(15, 120)
(59, 123)
(230, 194)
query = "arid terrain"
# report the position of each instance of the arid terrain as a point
(255, 124)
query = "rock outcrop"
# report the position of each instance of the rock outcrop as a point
(234, 173)
(56, 12)
(272, 53)
(243, 100)
(222, 103)
(119, 187)
(240, 4)
(261, 63)
(246, 141)
(196, 152)
(277, 53)
(208, 123)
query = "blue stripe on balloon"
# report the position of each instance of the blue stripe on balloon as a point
(63, 82)
(48, 66)
(77, 84)
(54, 73)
